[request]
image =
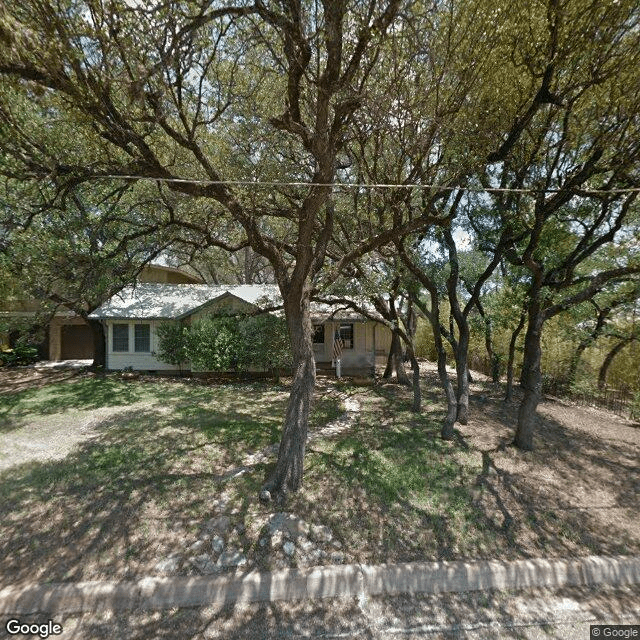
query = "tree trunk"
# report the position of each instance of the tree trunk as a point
(388, 370)
(602, 374)
(411, 326)
(462, 373)
(488, 345)
(532, 377)
(398, 363)
(575, 360)
(446, 432)
(287, 475)
(512, 355)
(494, 360)
(395, 361)
(462, 348)
(417, 395)
(99, 344)
(587, 341)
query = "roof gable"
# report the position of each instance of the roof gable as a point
(151, 301)
(161, 301)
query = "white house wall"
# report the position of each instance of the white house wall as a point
(367, 338)
(142, 361)
(360, 357)
(139, 361)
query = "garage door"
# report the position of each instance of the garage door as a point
(77, 342)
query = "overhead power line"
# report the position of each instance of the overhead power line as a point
(359, 185)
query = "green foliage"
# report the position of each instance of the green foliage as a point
(172, 343)
(265, 342)
(22, 353)
(424, 343)
(225, 343)
(213, 344)
(80, 252)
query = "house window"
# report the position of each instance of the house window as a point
(346, 333)
(142, 337)
(121, 337)
(318, 334)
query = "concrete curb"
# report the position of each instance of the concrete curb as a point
(341, 581)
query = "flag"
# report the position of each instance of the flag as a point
(338, 344)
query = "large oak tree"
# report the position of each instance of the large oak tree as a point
(200, 95)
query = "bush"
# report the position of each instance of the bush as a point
(213, 344)
(424, 344)
(172, 347)
(22, 353)
(265, 343)
(227, 343)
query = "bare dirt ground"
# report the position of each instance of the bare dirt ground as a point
(585, 468)
(22, 378)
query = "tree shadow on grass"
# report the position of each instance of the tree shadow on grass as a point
(108, 507)
(396, 492)
(90, 393)
(147, 478)
(80, 393)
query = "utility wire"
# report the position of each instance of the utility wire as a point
(347, 185)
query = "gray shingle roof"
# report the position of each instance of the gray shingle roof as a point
(152, 300)
(156, 301)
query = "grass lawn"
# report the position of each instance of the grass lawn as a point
(100, 478)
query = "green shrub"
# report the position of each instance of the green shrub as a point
(227, 343)
(172, 337)
(213, 344)
(424, 343)
(265, 343)
(22, 353)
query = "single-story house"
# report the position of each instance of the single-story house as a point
(67, 335)
(132, 317)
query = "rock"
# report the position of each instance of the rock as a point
(277, 539)
(220, 504)
(263, 542)
(169, 566)
(305, 544)
(289, 548)
(220, 524)
(336, 544)
(217, 544)
(288, 524)
(232, 558)
(265, 496)
(320, 533)
(197, 546)
(336, 557)
(315, 556)
(204, 564)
